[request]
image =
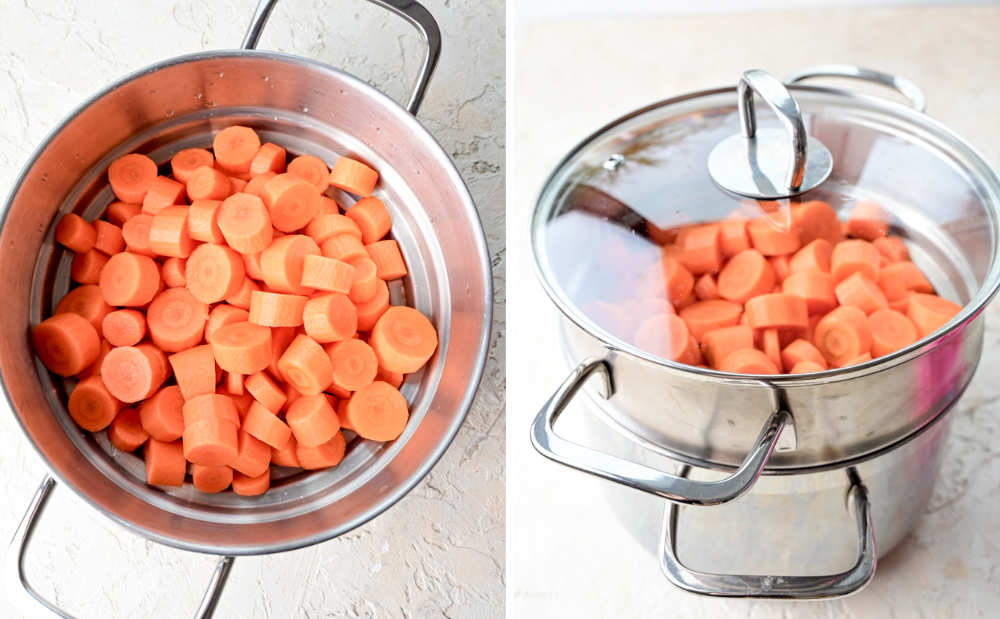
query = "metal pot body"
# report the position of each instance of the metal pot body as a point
(307, 107)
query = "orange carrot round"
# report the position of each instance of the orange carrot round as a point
(242, 347)
(109, 237)
(328, 274)
(286, 456)
(930, 312)
(276, 309)
(203, 221)
(126, 432)
(816, 287)
(130, 177)
(718, 343)
(163, 192)
(91, 405)
(892, 248)
(265, 426)
(704, 316)
(372, 218)
(771, 239)
(354, 364)
(312, 420)
(165, 464)
(815, 256)
(256, 184)
(263, 388)
(364, 280)
(353, 176)
(214, 273)
(173, 272)
(403, 339)
(891, 331)
(222, 315)
(663, 334)
(701, 250)
(802, 350)
(244, 485)
(245, 223)
(245, 293)
(389, 263)
(269, 158)
(854, 256)
(746, 275)
(805, 367)
(370, 311)
(161, 414)
(129, 280)
(780, 266)
(120, 212)
(211, 442)
(291, 201)
(868, 221)
(87, 301)
(124, 327)
(306, 366)
(211, 407)
(377, 412)
(66, 343)
(322, 456)
(86, 267)
(176, 319)
(861, 292)
(330, 317)
(168, 233)
(748, 361)
(329, 225)
(311, 169)
(842, 335)
(211, 479)
(253, 455)
(344, 247)
(771, 346)
(282, 263)
(75, 233)
(733, 236)
(816, 219)
(208, 184)
(135, 231)
(185, 162)
(777, 310)
(194, 370)
(235, 148)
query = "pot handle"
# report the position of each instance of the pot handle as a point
(780, 587)
(22, 594)
(410, 10)
(898, 83)
(627, 473)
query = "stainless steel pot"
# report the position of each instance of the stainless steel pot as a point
(781, 435)
(308, 107)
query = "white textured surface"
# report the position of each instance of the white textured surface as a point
(568, 553)
(440, 551)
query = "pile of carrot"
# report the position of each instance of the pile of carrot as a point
(227, 316)
(792, 290)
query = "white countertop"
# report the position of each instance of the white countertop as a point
(440, 551)
(569, 555)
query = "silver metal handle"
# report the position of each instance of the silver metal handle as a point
(678, 489)
(787, 110)
(23, 595)
(786, 587)
(410, 10)
(900, 84)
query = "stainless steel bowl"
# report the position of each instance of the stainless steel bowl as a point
(308, 107)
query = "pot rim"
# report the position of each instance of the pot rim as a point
(615, 345)
(482, 349)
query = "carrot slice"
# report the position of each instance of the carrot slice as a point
(329, 274)
(311, 169)
(135, 231)
(364, 280)
(748, 361)
(215, 272)
(86, 267)
(393, 378)
(704, 316)
(291, 200)
(165, 465)
(130, 177)
(815, 256)
(777, 310)
(237, 185)
(203, 221)
(173, 272)
(771, 346)
(282, 263)
(126, 432)
(930, 312)
(892, 248)
(235, 148)
(330, 317)
(328, 206)
(312, 420)
(814, 220)
(163, 192)
(842, 335)
(353, 176)
(329, 225)
(211, 441)
(162, 416)
(91, 405)
(87, 301)
(816, 287)
(243, 296)
(275, 309)
(701, 249)
(733, 236)
(269, 158)
(109, 237)
(770, 239)
(389, 263)
(370, 311)
(663, 334)
(244, 485)
(746, 275)
(802, 350)
(129, 280)
(780, 266)
(861, 292)
(66, 343)
(372, 218)
(168, 233)
(253, 455)
(354, 364)
(898, 278)
(868, 221)
(222, 315)
(265, 426)
(242, 347)
(124, 327)
(251, 263)
(245, 223)
(94, 369)
(805, 367)
(212, 407)
(176, 319)
(306, 366)
(854, 256)
(194, 370)
(75, 233)
(120, 212)
(286, 456)
(344, 247)
(256, 184)
(377, 412)
(891, 331)
(718, 343)
(211, 479)
(329, 454)
(676, 278)
(263, 388)
(186, 161)
(403, 339)
(705, 288)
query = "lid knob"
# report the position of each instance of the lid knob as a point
(767, 164)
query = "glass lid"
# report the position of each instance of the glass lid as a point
(638, 243)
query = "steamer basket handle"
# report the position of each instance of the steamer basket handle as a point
(410, 10)
(778, 587)
(898, 83)
(24, 596)
(627, 473)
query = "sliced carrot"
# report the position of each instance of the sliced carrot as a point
(242, 347)
(861, 292)
(194, 370)
(129, 280)
(389, 263)
(898, 278)
(370, 311)
(930, 312)
(173, 272)
(705, 316)
(328, 274)
(211, 441)
(120, 212)
(212, 407)
(393, 378)
(854, 256)
(816, 287)
(676, 279)
(244, 485)
(733, 236)
(353, 176)
(701, 249)
(135, 231)
(126, 432)
(344, 247)
(265, 426)
(364, 280)
(891, 331)
(207, 183)
(124, 327)
(66, 343)
(109, 237)
(263, 388)
(663, 334)
(868, 221)
(377, 412)
(815, 256)
(312, 420)
(718, 343)
(328, 206)
(746, 275)
(245, 223)
(185, 162)
(282, 263)
(322, 456)
(163, 192)
(256, 184)
(330, 317)
(372, 218)
(87, 301)
(236, 185)
(777, 310)
(286, 456)
(403, 339)
(91, 405)
(354, 364)
(130, 177)
(215, 272)
(780, 266)
(269, 158)
(802, 350)
(306, 366)
(281, 337)
(211, 479)
(165, 464)
(94, 369)
(311, 169)
(862, 358)
(253, 455)
(329, 225)
(805, 367)
(86, 267)
(222, 315)
(705, 288)
(75, 233)
(748, 361)
(235, 148)
(161, 415)
(176, 319)
(168, 233)
(892, 248)
(251, 263)
(816, 219)
(771, 346)
(291, 200)
(244, 295)
(275, 309)
(842, 335)
(771, 239)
